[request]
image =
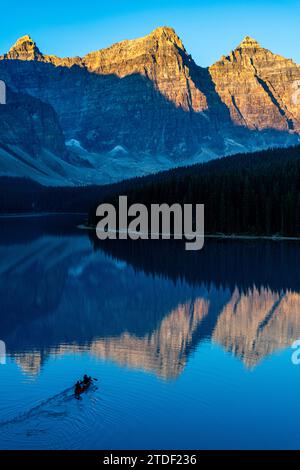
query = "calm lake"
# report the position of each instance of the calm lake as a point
(192, 350)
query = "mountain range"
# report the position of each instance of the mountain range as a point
(138, 107)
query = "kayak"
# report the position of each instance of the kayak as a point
(84, 388)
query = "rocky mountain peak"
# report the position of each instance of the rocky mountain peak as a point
(165, 33)
(24, 49)
(256, 86)
(249, 43)
(22, 40)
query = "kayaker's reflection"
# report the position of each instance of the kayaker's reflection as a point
(82, 386)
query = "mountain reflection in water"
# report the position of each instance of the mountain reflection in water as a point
(144, 305)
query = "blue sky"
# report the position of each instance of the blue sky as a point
(208, 29)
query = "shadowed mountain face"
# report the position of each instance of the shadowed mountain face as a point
(139, 314)
(140, 95)
(144, 105)
(30, 124)
(30, 133)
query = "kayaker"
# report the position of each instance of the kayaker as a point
(78, 389)
(87, 380)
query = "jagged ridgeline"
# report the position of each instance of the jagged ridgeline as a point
(140, 106)
(252, 194)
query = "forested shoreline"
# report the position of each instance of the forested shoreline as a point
(246, 194)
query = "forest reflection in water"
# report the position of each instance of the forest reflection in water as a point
(144, 304)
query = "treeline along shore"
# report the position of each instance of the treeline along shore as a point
(247, 194)
(253, 194)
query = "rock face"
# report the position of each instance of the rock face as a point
(31, 125)
(146, 95)
(259, 88)
(26, 49)
(160, 57)
(149, 98)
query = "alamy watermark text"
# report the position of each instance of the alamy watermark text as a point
(161, 222)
